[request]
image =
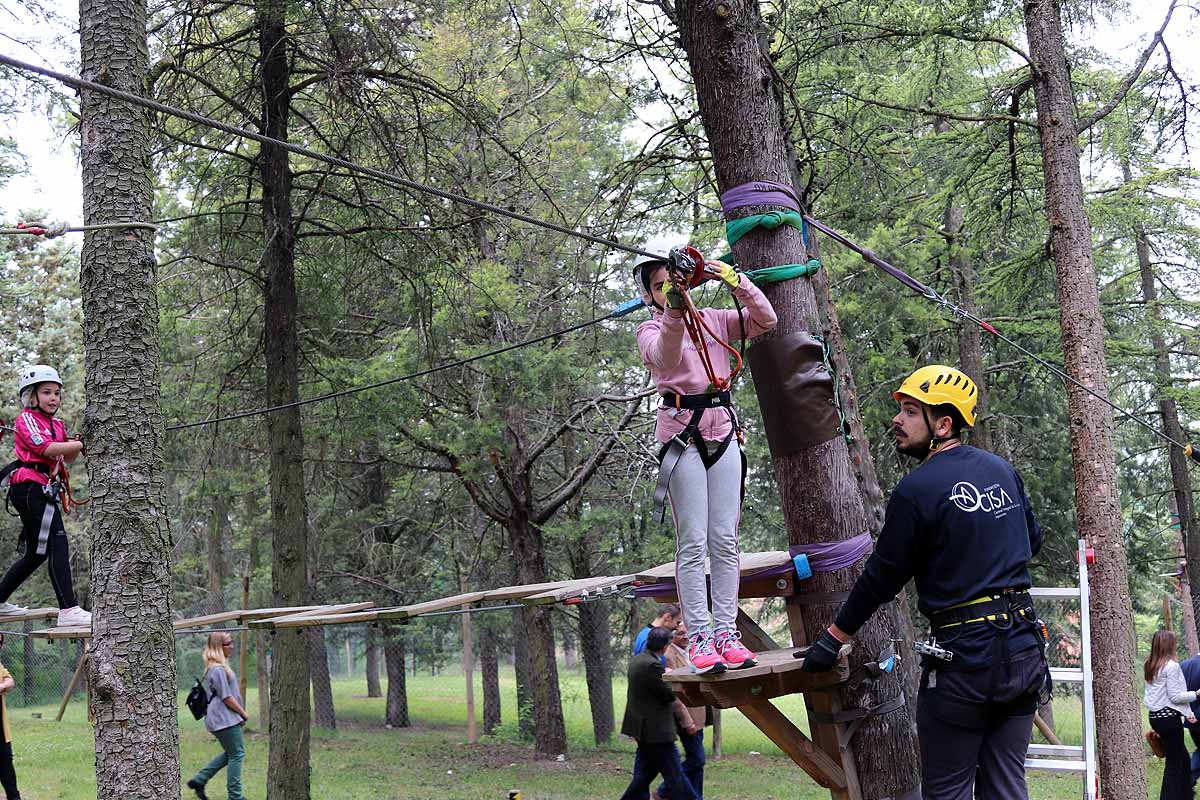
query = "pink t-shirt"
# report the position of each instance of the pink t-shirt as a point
(35, 431)
(676, 367)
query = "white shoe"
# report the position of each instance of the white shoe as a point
(74, 617)
(7, 609)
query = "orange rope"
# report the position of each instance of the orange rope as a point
(693, 322)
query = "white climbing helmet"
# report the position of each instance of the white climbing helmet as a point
(35, 374)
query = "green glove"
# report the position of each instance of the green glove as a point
(728, 274)
(674, 296)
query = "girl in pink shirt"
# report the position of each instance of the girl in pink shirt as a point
(42, 447)
(702, 465)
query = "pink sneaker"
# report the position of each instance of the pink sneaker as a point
(703, 657)
(731, 650)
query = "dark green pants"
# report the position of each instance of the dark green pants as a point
(233, 752)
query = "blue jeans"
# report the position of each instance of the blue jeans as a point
(652, 760)
(233, 752)
(693, 763)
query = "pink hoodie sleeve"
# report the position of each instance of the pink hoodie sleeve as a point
(661, 342)
(757, 311)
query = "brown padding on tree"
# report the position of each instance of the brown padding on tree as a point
(795, 392)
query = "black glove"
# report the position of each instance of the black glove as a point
(822, 654)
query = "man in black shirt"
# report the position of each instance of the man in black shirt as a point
(961, 526)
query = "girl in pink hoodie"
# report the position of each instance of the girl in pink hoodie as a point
(702, 461)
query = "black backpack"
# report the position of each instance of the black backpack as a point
(197, 700)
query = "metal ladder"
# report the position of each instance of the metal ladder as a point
(1072, 758)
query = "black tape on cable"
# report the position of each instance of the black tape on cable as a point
(795, 392)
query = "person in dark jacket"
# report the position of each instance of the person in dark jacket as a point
(1191, 675)
(650, 721)
(960, 525)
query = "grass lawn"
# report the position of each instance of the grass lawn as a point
(363, 761)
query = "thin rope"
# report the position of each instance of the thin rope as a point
(932, 294)
(618, 312)
(53, 230)
(233, 130)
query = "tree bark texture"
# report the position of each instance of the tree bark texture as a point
(373, 687)
(396, 712)
(132, 664)
(970, 338)
(322, 688)
(1181, 483)
(489, 669)
(1098, 509)
(218, 522)
(820, 495)
(594, 643)
(288, 765)
(521, 673)
(549, 728)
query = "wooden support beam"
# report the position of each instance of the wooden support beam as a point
(754, 636)
(62, 707)
(792, 741)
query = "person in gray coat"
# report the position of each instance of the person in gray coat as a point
(650, 721)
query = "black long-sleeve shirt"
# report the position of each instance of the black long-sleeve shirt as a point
(962, 526)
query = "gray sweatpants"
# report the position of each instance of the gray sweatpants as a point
(707, 505)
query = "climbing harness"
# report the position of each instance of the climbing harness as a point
(672, 451)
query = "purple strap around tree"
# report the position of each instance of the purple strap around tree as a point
(760, 193)
(832, 556)
(822, 557)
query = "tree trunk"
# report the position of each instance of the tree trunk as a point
(1098, 509)
(970, 340)
(549, 729)
(322, 688)
(218, 521)
(595, 645)
(132, 666)
(262, 676)
(288, 764)
(1184, 504)
(396, 713)
(820, 495)
(489, 668)
(373, 689)
(524, 682)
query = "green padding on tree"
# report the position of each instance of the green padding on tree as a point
(736, 229)
(795, 392)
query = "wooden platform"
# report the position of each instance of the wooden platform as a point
(777, 673)
(750, 563)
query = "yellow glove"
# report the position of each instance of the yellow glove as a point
(729, 275)
(674, 296)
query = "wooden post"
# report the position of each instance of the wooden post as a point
(243, 679)
(468, 668)
(62, 707)
(349, 659)
(1167, 612)
(718, 745)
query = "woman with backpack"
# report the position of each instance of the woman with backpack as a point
(224, 718)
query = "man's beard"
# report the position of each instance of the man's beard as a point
(907, 447)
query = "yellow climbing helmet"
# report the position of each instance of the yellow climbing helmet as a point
(938, 384)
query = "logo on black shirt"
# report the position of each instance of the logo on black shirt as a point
(970, 499)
